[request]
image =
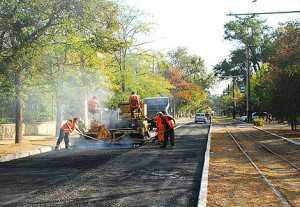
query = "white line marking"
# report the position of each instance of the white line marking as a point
(202, 198)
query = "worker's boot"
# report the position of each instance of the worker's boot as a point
(56, 147)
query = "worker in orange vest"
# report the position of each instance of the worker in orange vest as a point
(65, 131)
(134, 103)
(93, 105)
(169, 123)
(160, 127)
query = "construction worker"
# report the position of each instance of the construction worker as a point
(134, 103)
(158, 118)
(93, 105)
(65, 131)
(169, 123)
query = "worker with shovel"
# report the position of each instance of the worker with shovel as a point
(65, 131)
(169, 123)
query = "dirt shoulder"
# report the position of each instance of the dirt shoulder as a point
(232, 180)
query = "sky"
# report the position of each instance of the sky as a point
(199, 24)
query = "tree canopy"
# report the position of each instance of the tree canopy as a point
(56, 54)
(274, 57)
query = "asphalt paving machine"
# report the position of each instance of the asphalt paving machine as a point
(136, 127)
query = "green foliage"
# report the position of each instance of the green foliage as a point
(275, 87)
(252, 35)
(141, 79)
(4, 121)
(247, 30)
(260, 94)
(192, 67)
(54, 54)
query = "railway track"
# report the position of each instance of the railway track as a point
(278, 172)
(278, 136)
(281, 157)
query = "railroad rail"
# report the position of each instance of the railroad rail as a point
(276, 135)
(275, 154)
(282, 198)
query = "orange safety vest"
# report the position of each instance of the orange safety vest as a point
(169, 121)
(160, 128)
(69, 126)
(134, 101)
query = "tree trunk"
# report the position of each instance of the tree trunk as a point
(59, 110)
(59, 98)
(294, 124)
(123, 69)
(19, 109)
(123, 85)
(86, 113)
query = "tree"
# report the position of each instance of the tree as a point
(188, 97)
(192, 67)
(26, 26)
(141, 79)
(131, 28)
(285, 74)
(277, 85)
(250, 32)
(20, 30)
(253, 36)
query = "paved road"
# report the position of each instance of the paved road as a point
(144, 176)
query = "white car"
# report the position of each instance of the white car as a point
(201, 118)
(243, 118)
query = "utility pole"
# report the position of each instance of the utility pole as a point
(248, 85)
(233, 98)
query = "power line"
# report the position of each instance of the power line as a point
(262, 13)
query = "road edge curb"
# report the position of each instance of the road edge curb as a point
(16, 156)
(202, 198)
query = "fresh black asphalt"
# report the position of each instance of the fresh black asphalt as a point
(101, 176)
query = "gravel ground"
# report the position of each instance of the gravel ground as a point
(232, 180)
(145, 176)
(284, 177)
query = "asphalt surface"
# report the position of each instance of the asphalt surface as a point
(94, 175)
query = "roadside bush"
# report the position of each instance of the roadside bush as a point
(259, 122)
(4, 121)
